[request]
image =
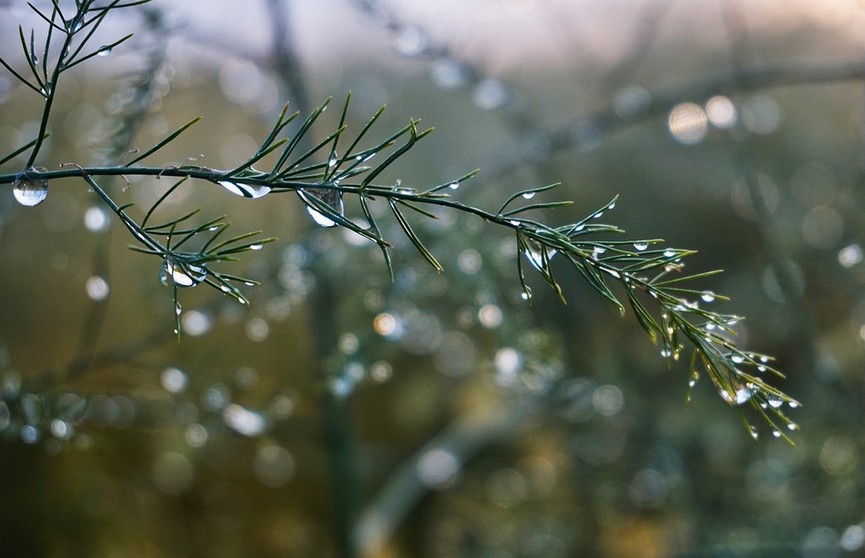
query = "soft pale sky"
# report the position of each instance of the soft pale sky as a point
(505, 32)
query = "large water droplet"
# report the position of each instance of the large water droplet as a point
(253, 191)
(104, 51)
(182, 275)
(331, 197)
(640, 246)
(774, 401)
(29, 191)
(535, 253)
(743, 394)
(707, 296)
(528, 195)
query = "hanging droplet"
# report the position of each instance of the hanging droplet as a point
(640, 246)
(754, 433)
(104, 51)
(793, 404)
(774, 401)
(256, 247)
(252, 191)
(454, 185)
(707, 296)
(182, 275)
(740, 396)
(29, 191)
(528, 195)
(332, 198)
(526, 294)
(738, 359)
(535, 253)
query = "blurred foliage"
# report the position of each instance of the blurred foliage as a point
(437, 411)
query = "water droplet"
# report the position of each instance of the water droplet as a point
(437, 468)
(29, 191)
(526, 294)
(332, 163)
(528, 195)
(666, 352)
(252, 191)
(707, 296)
(776, 434)
(792, 426)
(754, 433)
(29, 434)
(761, 368)
(740, 396)
(490, 94)
(738, 359)
(850, 255)
(774, 401)
(196, 323)
(243, 421)
(256, 247)
(454, 185)
(181, 274)
(793, 404)
(61, 429)
(96, 219)
(710, 326)
(333, 199)
(274, 465)
(535, 253)
(104, 51)
(640, 246)
(97, 288)
(410, 41)
(669, 253)
(688, 123)
(448, 74)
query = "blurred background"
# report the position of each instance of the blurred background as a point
(438, 415)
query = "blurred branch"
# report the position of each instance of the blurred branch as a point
(463, 439)
(579, 131)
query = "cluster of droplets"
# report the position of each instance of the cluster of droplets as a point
(181, 274)
(218, 406)
(35, 417)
